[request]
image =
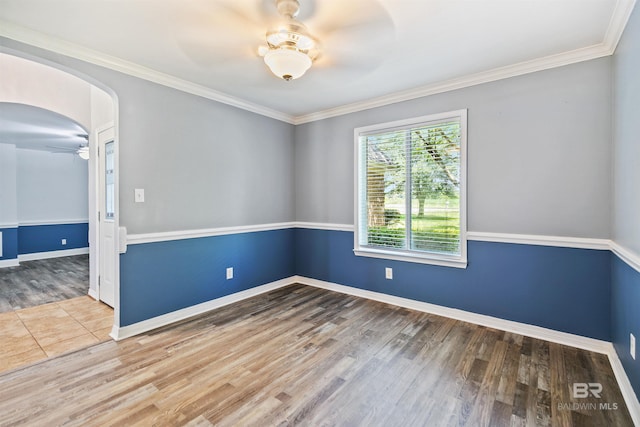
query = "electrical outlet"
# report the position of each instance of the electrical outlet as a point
(388, 273)
(632, 346)
(64, 241)
(229, 273)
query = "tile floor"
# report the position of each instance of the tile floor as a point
(36, 333)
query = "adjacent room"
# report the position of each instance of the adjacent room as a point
(45, 265)
(321, 212)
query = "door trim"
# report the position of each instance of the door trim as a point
(94, 223)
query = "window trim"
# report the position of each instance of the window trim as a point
(458, 261)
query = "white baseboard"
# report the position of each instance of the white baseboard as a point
(94, 294)
(590, 344)
(122, 332)
(53, 254)
(538, 332)
(9, 263)
(626, 388)
(565, 338)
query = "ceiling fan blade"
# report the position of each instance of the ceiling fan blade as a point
(201, 46)
(53, 147)
(353, 34)
(213, 32)
(340, 15)
(340, 54)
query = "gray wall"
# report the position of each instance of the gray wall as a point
(51, 186)
(202, 164)
(539, 153)
(626, 198)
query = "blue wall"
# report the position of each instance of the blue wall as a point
(31, 239)
(579, 291)
(158, 278)
(625, 312)
(9, 243)
(46, 238)
(564, 289)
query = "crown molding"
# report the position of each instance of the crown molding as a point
(37, 39)
(540, 64)
(619, 18)
(617, 24)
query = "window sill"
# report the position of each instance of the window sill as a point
(441, 260)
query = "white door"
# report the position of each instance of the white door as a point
(106, 215)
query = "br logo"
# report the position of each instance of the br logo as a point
(582, 390)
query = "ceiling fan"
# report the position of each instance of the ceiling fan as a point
(342, 37)
(81, 150)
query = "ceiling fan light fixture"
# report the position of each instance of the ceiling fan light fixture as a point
(290, 49)
(288, 64)
(83, 152)
(292, 33)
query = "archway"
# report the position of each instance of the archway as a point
(40, 84)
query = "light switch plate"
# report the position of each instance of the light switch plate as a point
(229, 273)
(139, 195)
(388, 273)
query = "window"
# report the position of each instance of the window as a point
(411, 190)
(109, 181)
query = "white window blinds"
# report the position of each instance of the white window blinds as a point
(410, 187)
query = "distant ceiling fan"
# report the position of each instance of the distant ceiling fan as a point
(81, 150)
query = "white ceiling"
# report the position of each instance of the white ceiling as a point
(34, 128)
(375, 51)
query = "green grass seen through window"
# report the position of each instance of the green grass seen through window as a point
(436, 231)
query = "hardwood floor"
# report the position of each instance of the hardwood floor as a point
(43, 281)
(305, 356)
